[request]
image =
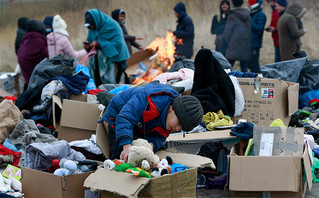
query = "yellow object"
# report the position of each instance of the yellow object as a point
(12, 171)
(277, 122)
(250, 144)
(213, 119)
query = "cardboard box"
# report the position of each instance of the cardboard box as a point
(181, 184)
(38, 184)
(78, 119)
(140, 56)
(10, 83)
(191, 143)
(273, 141)
(276, 176)
(268, 99)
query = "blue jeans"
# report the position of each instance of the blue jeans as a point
(277, 54)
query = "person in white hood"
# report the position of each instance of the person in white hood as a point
(58, 40)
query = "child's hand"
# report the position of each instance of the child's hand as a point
(125, 152)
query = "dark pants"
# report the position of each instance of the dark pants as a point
(243, 65)
(121, 67)
(253, 64)
(277, 54)
(115, 150)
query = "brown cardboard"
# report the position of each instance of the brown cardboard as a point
(38, 184)
(285, 142)
(268, 99)
(140, 56)
(78, 119)
(278, 175)
(181, 184)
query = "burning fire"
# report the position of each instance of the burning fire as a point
(163, 59)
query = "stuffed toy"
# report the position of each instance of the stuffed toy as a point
(68, 167)
(166, 166)
(141, 150)
(109, 164)
(126, 167)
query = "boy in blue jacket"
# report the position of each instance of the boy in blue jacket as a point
(150, 112)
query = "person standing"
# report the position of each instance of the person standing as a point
(22, 25)
(48, 21)
(106, 35)
(258, 22)
(58, 40)
(289, 31)
(119, 16)
(273, 28)
(33, 48)
(184, 32)
(218, 26)
(237, 35)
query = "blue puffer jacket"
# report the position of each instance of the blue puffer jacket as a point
(184, 31)
(258, 21)
(142, 108)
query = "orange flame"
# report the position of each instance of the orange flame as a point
(164, 58)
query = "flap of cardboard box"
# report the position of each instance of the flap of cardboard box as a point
(141, 56)
(56, 110)
(307, 166)
(189, 160)
(103, 179)
(79, 115)
(293, 95)
(257, 173)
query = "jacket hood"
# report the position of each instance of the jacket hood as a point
(180, 9)
(35, 26)
(242, 13)
(221, 3)
(116, 14)
(22, 22)
(296, 10)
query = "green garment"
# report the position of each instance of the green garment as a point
(213, 119)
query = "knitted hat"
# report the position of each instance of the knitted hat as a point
(59, 25)
(283, 3)
(252, 2)
(188, 110)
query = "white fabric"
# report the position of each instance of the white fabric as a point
(239, 97)
(187, 84)
(4, 184)
(182, 74)
(310, 144)
(89, 145)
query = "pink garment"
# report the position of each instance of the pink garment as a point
(310, 144)
(59, 43)
(181, 74)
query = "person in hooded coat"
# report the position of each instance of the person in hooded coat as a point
(119, 16)
(184, 31)
(22, 25)
(58, 40)
(237, 35)
(33, 48)
(106, 35)
(48, 22)
(218, 26)
(258, 20)
(290, 32)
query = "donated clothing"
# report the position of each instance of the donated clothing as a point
(140, 112)
(184, 31)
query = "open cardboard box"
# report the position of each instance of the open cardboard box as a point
(271, 176)
(268, 99)
(140, 56)
(39, 184)
(114, 184)
(78, 120)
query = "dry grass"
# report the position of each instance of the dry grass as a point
(146, 18)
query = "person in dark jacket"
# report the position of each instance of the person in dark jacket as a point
(150, 112)
(218, 26)
(22, 24)
(258, 20)
(237, 35)
(273, 28)
(184, 32)
(290, 31)
(33, 48)
(119, 16)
